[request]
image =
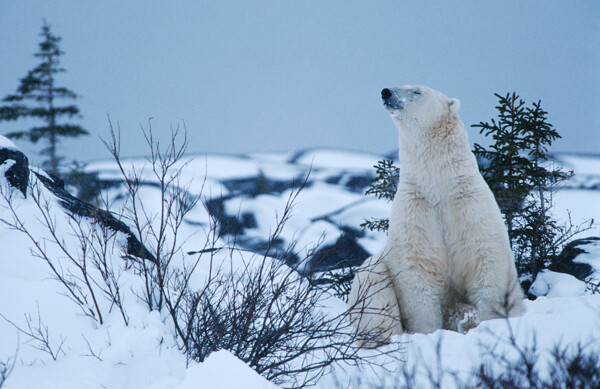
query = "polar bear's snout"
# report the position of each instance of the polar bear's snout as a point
(391, 100)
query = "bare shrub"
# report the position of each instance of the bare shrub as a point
(258, 308)
(512, 366)
(569, 366)
(574, 367)
(157, 229)
(6, 368)
(271, 318)
(38, 333)
(290, 330)
(83, 265)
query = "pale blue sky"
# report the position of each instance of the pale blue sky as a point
(281, 75)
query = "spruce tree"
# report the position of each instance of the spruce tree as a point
(38, 97)
(505, 165)
(518, 170)
(383, 186)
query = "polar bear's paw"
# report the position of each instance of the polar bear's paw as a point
(462, 318)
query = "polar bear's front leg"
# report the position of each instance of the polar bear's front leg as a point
(494, 288)
(373, 305)
(420, 301)
(417, 259)
(497, 299)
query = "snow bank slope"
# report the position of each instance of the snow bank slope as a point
(143, 353)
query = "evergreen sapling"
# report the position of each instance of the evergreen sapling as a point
(37, 97)
(518, 169)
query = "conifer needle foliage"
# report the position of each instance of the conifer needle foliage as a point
(38, 97)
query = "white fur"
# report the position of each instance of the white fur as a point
(447, 242)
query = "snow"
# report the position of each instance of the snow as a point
(581, 164)
(281, 157)
(579, 206)
(356, 213)
(316, 235)
(553, 284)
(112, 355)
(591, 256)
(6, 143)
(311, 204)
(585, 167)
(136, 356)
(547, 322)
(144, 352)
(338, 159)
(225, 167)
(324, 199)
(126, 357)
(222, 370)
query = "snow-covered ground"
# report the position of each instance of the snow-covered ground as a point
(82, 353)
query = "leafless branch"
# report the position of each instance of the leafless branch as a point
(39, 333)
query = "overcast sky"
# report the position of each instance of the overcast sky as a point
(250, 76)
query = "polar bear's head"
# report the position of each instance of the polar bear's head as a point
(418, 107)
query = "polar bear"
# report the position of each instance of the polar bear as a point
(447, 252)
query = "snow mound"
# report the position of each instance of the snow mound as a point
(6, 143)
(552, 284)
(143, 353)
(222, 370)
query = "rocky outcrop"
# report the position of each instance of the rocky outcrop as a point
(564, 262)
(106, 219)
(18, 174)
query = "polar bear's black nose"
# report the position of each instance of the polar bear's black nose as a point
(386, 93)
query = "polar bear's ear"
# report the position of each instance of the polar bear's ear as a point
(454, 105)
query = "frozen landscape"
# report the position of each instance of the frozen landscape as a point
(48, 340)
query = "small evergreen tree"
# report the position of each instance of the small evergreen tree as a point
(383, 186)
(504, 165)
(39, 87)
(517, 169)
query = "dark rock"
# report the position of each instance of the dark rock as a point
(18, 174)
(230, 225)
(345, 252)
(249, 220)
(354, 183)
(334, 180)
(254, 186)
(241, 186)
(358, 183)
(104, 218)
(227, 224)
(392, 155)
(564, 263)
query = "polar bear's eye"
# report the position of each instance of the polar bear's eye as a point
(417, 92)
